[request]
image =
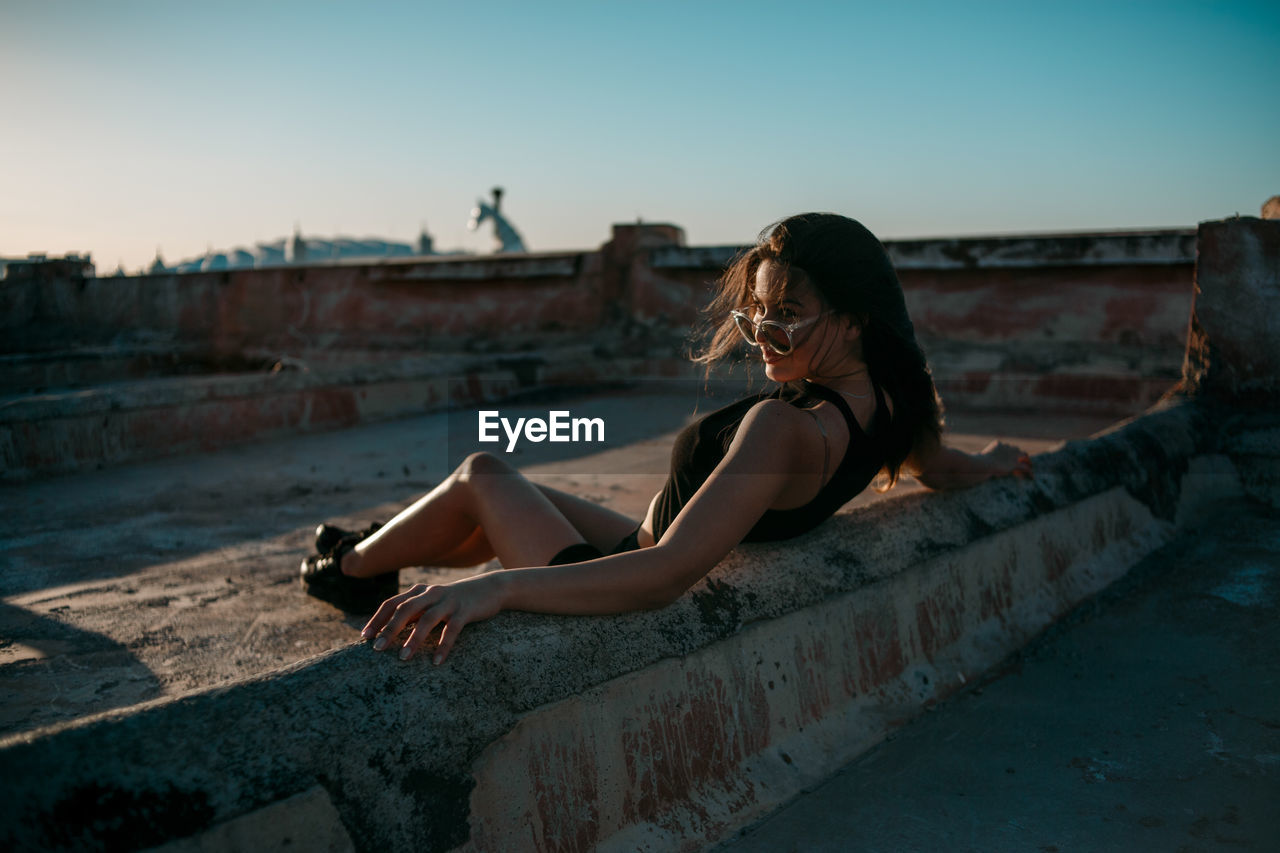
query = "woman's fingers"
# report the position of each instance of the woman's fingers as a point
(422, 631)
(454, 606)
(425, 627)
(386, 610)
(397, 613)
(448, 637)
(1009, 458)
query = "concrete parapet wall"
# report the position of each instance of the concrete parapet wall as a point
(420, 304)
(101, 371)
(1127, 289)
(680, 754)
(62, 431)
(644, 731)
(1231, 351)
(71, 430)
(1253, 443)
(1130, 290)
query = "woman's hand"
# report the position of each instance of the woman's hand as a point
(452, 605)
(1007, 459)
(941, 467)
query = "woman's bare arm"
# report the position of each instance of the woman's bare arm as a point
(937, 466)
(765, 453)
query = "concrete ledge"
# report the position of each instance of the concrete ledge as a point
(648, 730)
(1095, 393)
(1252, 440)
(61, 431)
(685, 751)
(1131, 248)
(38, 370)
(65, 431)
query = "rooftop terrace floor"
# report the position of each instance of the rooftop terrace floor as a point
(149, 580)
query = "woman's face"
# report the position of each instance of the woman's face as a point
(788, 300)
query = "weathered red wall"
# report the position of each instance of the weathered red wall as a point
(426, 304)
(1107, 289)
(644, 274)
(1144, 306)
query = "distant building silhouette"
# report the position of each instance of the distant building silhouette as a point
(37, 264)
(299, 250)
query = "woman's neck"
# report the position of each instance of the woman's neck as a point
(852, 379)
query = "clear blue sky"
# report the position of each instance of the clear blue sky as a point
(129, 126)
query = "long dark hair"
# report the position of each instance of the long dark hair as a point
(852, 274)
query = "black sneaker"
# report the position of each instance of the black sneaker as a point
(329, 536)
(321, 577)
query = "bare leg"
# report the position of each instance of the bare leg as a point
(601, 526)
(485, 508)
(472, 552)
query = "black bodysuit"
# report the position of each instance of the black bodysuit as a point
(701, 446)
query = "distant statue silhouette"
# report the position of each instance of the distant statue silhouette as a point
(506, 238)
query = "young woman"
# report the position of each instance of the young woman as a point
(818, 299)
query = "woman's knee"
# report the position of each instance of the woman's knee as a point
(480, 464)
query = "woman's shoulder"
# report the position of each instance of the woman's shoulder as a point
(772, 420)
(773, 407)
(772, 411)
